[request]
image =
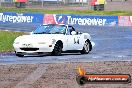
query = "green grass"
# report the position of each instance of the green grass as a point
(6, 40)
(63, 11)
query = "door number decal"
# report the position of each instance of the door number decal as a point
(76, 41)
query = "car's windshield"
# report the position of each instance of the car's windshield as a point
(50, 29)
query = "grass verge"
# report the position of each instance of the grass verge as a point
(6, 40)
(64, 11)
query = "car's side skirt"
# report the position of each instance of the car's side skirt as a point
(71, 51)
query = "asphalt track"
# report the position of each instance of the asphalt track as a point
(111, 44)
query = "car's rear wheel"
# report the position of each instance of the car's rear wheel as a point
(57, 49)
(86, 47)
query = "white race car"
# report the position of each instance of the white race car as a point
(54, 39)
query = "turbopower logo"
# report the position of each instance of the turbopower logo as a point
(19, 18)
(86, 21)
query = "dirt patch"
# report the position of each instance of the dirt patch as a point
(61, 75)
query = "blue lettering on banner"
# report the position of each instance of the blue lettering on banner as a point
(21, 18)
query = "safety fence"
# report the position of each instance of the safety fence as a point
(110, 5)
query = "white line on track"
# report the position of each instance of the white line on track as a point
(112, 38)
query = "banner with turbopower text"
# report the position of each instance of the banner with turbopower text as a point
(10, 17)
(81, 20)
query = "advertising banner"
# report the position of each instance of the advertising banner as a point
(125, 20)
(54, 19)
(8, 17)
(92, 20)
(81, 20)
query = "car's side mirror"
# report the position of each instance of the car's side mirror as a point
(73, 33)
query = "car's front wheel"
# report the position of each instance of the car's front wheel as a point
(57, 49)
(86, 47)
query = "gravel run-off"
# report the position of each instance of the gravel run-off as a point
(60, 75)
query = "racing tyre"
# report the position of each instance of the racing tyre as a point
(86, 48)
(19, 55)
(81, 80)
(57, 49)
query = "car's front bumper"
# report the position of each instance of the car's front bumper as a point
(35, 49)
